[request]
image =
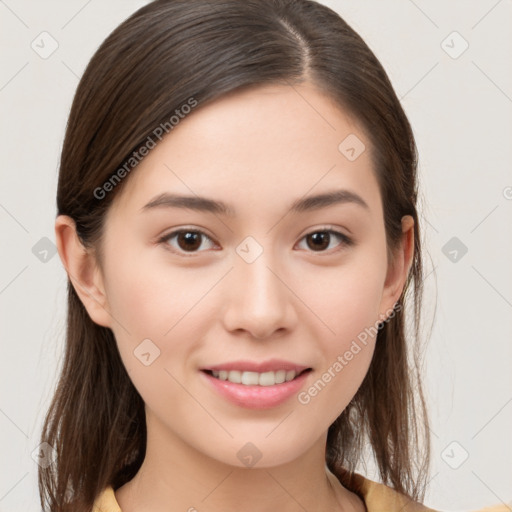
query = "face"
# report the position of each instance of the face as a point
(196, 288)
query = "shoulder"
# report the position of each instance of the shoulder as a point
(495, 508)
(106, 501)
(378, 497)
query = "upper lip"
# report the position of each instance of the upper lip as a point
(271, 365)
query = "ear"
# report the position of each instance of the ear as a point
(398, 268)
(82, 269)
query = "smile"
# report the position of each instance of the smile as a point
(254, 390)
(254, 378)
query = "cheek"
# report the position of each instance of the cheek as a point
(159, 313)
(349, 307)
(149, 297)
(346, 298)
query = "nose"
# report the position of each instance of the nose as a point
(259, 300)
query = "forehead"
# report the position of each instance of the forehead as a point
(271, 143)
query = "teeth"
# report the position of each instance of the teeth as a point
(254, 378)
(280, 376)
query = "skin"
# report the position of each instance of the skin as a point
(258, 151)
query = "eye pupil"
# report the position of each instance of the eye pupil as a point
(191, 239)
(322, 237)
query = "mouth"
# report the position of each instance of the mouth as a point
(249, 378)
(252, 389)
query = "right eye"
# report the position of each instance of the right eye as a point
(187, 240)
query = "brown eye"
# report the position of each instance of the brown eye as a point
(319, 241)
(187, 240)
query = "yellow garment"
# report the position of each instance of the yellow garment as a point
(377, 498)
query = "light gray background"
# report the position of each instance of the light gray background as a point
(461, 112)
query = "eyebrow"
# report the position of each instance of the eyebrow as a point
(204, 204)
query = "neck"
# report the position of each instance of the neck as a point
(176, 477)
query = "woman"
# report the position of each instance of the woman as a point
(237, 218)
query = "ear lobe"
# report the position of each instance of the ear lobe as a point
(82, 269)
(398, 269)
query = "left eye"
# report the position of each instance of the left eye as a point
(190, 240)
(321, 240)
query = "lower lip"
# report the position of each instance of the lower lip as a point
(257, 397)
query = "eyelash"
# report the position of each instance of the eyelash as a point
(345, 240)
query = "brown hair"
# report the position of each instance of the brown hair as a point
(164, 54)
